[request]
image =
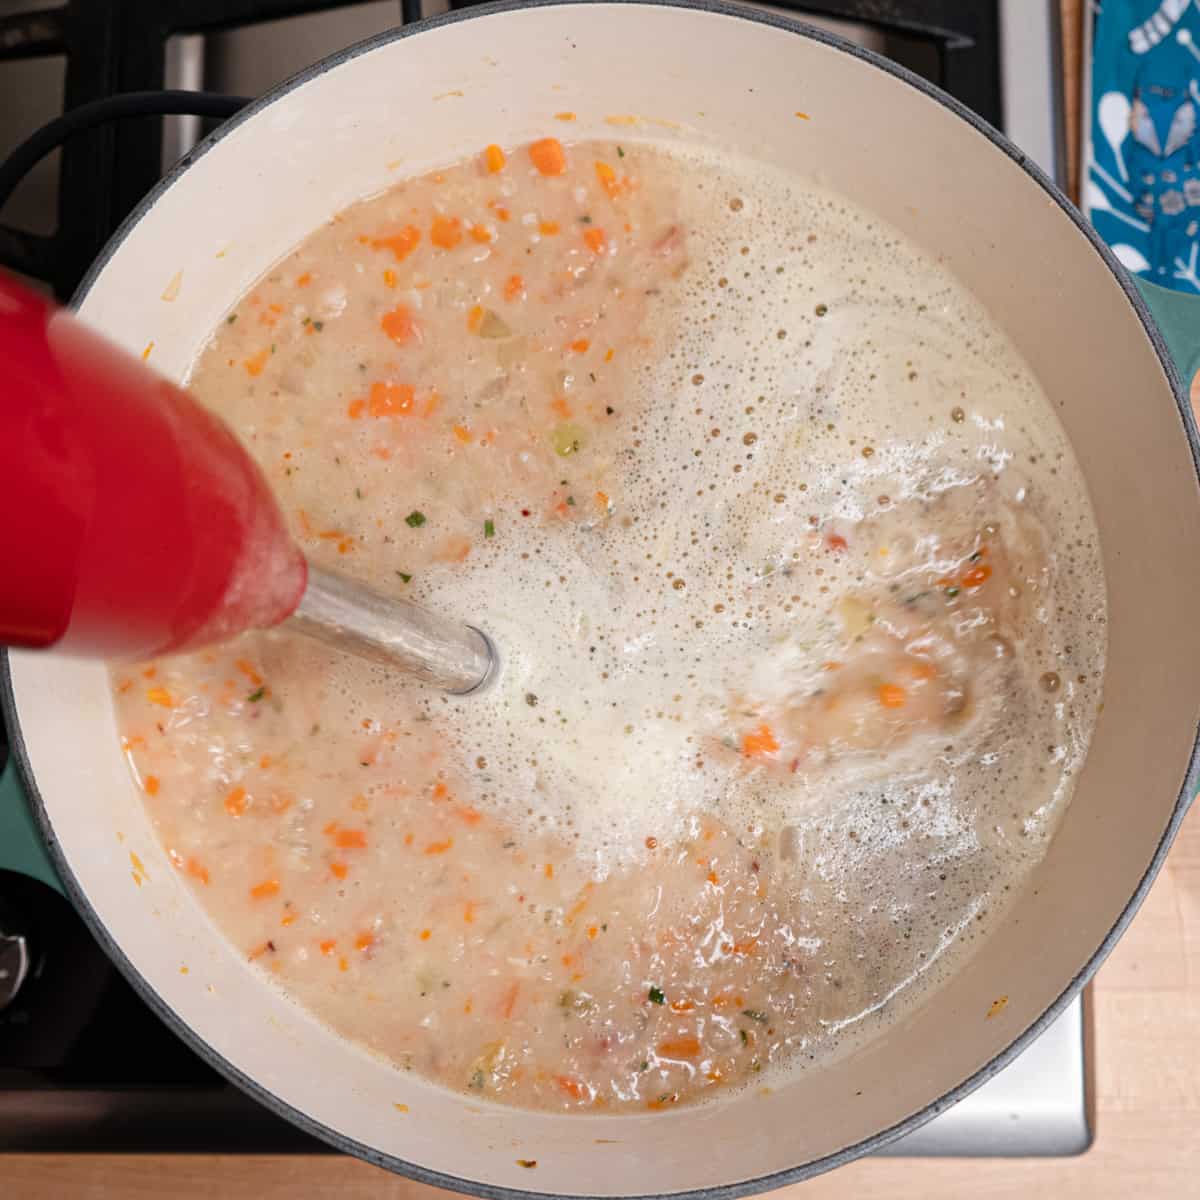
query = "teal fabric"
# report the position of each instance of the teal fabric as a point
(21, 847)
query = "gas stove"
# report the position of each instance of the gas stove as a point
(84, 1065)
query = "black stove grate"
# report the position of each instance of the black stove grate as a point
(115, 46)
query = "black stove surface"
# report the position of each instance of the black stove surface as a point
(84, 1064)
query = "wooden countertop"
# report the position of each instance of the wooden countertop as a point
(1146, 1006)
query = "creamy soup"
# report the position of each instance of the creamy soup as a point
(798, 597)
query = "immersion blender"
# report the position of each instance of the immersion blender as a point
(135, 524)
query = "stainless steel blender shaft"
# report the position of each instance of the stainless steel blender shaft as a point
(398, 633)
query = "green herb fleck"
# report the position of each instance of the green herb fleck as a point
(527, 1162)
(952, 592)
(358, 493)
(571, 501)
(489, 528)
(306, 321)
(477, 1081)
(586, 219)
(643, 1065)
(415, 519)
(256, 695)
(620, 152)
(318, 325)
(656, 995)
(229, 320)
(755, 1015)
(745, 1037)
(405, 576)
(592, 376)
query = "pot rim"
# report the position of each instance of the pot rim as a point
(804, 1171)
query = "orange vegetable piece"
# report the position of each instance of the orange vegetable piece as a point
(548, 156)
(572, 1087)
(560, 406)
(364, 941)
(280, 802)
(580, 345)
(247, 668)
(304, 280)
(160, 696)
(548, 228)
(462, 433)
(339, 870)
(440, 790)
(401, 244)
(197, 870)
(595, 240)
(268, 887)
(439, 847)
(513, 287)
(326, 947)
(680, 1047)
(469, 815)
(977, 575)
(493, 159)
(426, 934)
(398, 324)
(602, 499)
(254, 365)
(835, 541)
(350, 839)
(761, 741)
(446, 232)
(235, 802)
(891, 695)
(391, 399)
(608, 178)
(502, 213)
(481, 234)
(151, 785)
(389, 278)
(564, 116)
(475, 318)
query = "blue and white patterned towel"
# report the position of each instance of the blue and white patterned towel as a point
(1141, 189)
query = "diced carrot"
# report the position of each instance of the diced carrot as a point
(454, 549)
(304, 280)
(401, 244)
(247, 669)
(832, 665)
(548, 870)
(391, 400)
(364, 941)
(432, 404)
(509, 1000)
(592, 932)
(343, 965)
(439, 847)
(398, 324)
(595, 240)
(408, 839)
(493, 159)
(513, 287)
(389, 278)
(339, 870)
(922, 668)
(580, 345)
(445, 232)
(560, 406)
(548, 156)
(468, 815)
(891, 695)
(761, 741)
(580, 904)
(151, 785)
(305, 523)
(502, 213)
(481, 234)
(608, 178)
(287, 919)
(548, 228)
(360, 803)
(977, 575)
(149, 672)
(713, 878)
(268, 887)
(440, 790)
(160, 696)
(469, 912)
(572, 1087)
(836, 542)
(564, 116)
(682, 1006)
(680, 1047)
(608, 354)
(350, 839)
(235, 801)
(662, 1102)
(462, 433)
(255, 363)
(197, 870)
(259, 950)
(743, 949)
(265, 762)
(326, 947)
(602, 499)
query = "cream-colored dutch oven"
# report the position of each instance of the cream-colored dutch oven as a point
(428, 95)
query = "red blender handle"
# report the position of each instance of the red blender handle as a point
(132, 522)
